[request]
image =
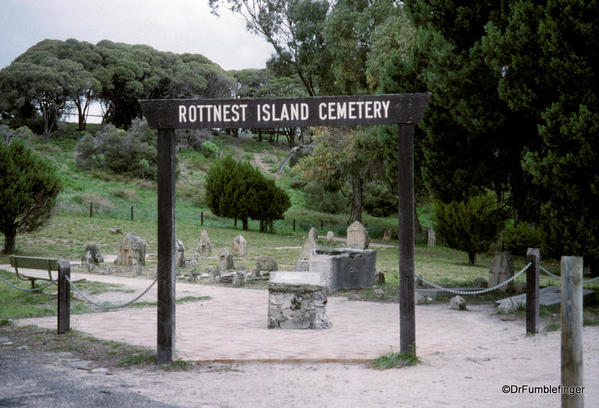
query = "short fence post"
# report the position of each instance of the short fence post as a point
(321, 223)
(294, 224)
(91, 210)
(131, 213)
(571, 316)
(201, 217)
(64, 297)
(532, 290)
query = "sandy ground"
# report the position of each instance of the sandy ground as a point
(466, 358)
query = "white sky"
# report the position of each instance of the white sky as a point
(178, 26)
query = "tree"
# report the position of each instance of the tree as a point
(28, 190)
(470, 225)
(295, 30)
(546, 54)
(341, 156)
(238, 190)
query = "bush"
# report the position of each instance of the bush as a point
(379, 201)
(7, 135)
(470, 225)
(29, 187)
(210, 150)
(319, 199)
(518, 239)
(132, 153)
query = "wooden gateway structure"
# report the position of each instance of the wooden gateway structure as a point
(405, 110)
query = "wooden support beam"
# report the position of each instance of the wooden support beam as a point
(532, 290)
(407, 318)
(64, 297)
(166, 246)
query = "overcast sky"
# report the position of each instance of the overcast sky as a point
(178, 26)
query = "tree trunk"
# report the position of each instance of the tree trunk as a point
(9, 241)
(472, 258)
(245, 224)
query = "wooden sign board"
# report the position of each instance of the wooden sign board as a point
(284, 112)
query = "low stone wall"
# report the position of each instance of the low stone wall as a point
(297, 300)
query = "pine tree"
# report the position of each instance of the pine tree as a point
(28, 190)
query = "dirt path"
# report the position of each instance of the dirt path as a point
(466, 357)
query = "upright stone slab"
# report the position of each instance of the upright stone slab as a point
(92, 256)
(313, 234)
(180, 256)
(265, 265)
(330, 236)
(132, 250)
(346, 268)
(309, 245)
(357, 236)
(225, 261)
(297, 300)
(432, 237)
(239, 246)
(204, 247)
(501, 269)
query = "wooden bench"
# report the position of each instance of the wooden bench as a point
(29, 262)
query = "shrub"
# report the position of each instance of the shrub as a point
(379, 201)
(29, 187)
(470, 225)
(210, 150)
(518, 239)
(131, 153)
(7, 135)
(319, 199)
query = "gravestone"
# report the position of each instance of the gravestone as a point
(265, 265)
(357, 236)
(330, 236)
(387, 235)
(225, 261)
(313, 233)
(92, 256)
(180, 256)
(309, 245)
(239, 246)
(347, 268)
(132, 250)
(297, 300)
(204, 247)
(501, 269)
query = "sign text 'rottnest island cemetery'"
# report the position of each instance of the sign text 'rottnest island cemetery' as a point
(283, 112)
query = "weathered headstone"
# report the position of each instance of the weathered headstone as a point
(132, 250)
(379, 278)
(330, 236)
(238, 280)
(457, 303)
(239, 246)
(266, 264)
(180, 256)
(387, 235)
(313, 233)
(309, 245)
(501, 269)
(92, 255)
(204, 247)
(357, 236)
(297, 300)
(225, 261)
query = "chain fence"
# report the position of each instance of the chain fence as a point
(474, 292)
(108, 307)
(25, 289)
(586, 282)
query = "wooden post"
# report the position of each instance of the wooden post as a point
(321, 223)
(532, 290)
(571, 314)
(166, 246)
(294, 224)
(202, 218)
(131, 213)
(64, 297)
(407, 317)
(91, 210)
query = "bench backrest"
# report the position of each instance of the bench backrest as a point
(30, 262)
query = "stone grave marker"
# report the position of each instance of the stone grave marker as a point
(357, 236)
(132, 250)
